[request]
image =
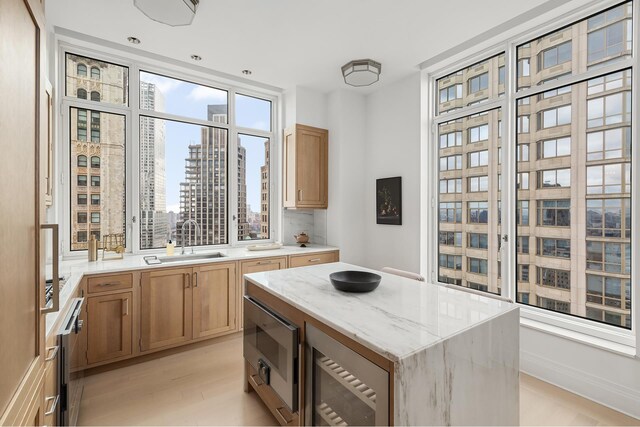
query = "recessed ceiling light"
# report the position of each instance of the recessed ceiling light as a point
(133, 40)
(247, 72)
(196, 57)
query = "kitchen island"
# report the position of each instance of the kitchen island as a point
(450, 357)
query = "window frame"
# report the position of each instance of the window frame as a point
(597, 334)
(131, 112)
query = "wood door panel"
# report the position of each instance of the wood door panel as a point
(19, 163)
(109, 327)
(308, 156)
(165, 308)
(214, 299)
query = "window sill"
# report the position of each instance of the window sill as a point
(533, 320)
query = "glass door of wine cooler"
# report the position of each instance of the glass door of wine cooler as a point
(343, 388)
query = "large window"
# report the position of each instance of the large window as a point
(196, 162)
(566, 160)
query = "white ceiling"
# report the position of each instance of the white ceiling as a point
(289, 43)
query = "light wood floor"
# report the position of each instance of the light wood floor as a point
(203, 386)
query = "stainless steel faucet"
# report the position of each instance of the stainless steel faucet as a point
(189, 221)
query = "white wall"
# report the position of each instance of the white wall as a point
(393, 149)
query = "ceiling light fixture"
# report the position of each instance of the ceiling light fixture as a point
(196, 57)
(170, 12)
(361, 72)
(247, 72)
(133, 40)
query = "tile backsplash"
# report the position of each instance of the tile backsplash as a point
(313, 222)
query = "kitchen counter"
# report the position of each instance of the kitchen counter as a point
(455, 354)
(74, 270)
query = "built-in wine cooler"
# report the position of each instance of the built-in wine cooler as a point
(342, 387)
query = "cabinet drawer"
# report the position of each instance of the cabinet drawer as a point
(312, 259)
(279, 410)
(109, 283)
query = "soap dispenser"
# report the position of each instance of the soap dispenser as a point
(170, 247)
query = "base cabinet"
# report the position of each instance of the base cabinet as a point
(214, 299)
(257, 266)
(165, 308)
(109, 327)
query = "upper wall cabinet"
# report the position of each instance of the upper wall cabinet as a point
(305, 172)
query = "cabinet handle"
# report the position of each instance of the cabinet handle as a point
(314, 260)
(52, 353)
(264, 262)
(55, 306)
(186, 279)
(54, 405)
(125, 307)
(195, 280)
(299, 195)
(281, 417)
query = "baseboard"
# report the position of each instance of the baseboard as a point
(601, 390)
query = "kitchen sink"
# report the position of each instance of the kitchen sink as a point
(152, 259)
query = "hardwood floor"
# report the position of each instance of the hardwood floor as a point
(203, 386)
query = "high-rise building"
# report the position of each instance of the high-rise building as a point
(264, 194)
(573, 152)
(154, 226)
(97, 147)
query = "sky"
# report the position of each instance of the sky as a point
(191, 100)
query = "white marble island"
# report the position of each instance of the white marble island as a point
(454, 354)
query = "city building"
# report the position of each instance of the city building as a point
(264, 194)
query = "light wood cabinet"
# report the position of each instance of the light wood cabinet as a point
(214, 299)
(313, 259)
(256, 266)
(305, 171)
(109, 326)
(165, 308)
(111, 282)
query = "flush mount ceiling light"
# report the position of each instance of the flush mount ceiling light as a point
(169, 12)
(361, 72)
(133, 40)
(196, 57)
(247, 72)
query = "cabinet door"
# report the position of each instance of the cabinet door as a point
(109, 327)
(165, 308)
(214, 299)
(256, 266)
(311, 167)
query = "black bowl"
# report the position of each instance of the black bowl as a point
(354, 281)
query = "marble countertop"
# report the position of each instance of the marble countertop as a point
(74, 270)
(398, 319)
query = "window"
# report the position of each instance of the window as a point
(522, 245)
(82, 161)
(81, 237)
(253, 187)
(478, 133)
(609, 256)
(478, 83)
(609, 291)
(556, 55)
(95, 181)
(609, 218)
(478, 241)
(478, 286)
(451, 162)
(522, 212)
(95, 162)
(478, 212)
(95, 96)
(522, 153)
(450, 93)
(113, 86)
(522, 126)
(554, 117)
(452, 139)
(478, 266)
(95, 73)
(522, 273)
(95, 217)
(453, 262)
(478, 158)
(524, 68)
(253, 113)
(554, 213)
(82, 218)
(81, 93)
(609, 110)
(555, 92)
(554, 305)
(553, 278)
(95, 199)
(82, 199)
(451, 186)
(554, 148)
(609, 144)
(560, 248)
(82, 180)
(522, 181)
(478, 183)
(450, 238)
(451, 212)
(554, 178)
(501, 75)
(612, 178)
(81, 70)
